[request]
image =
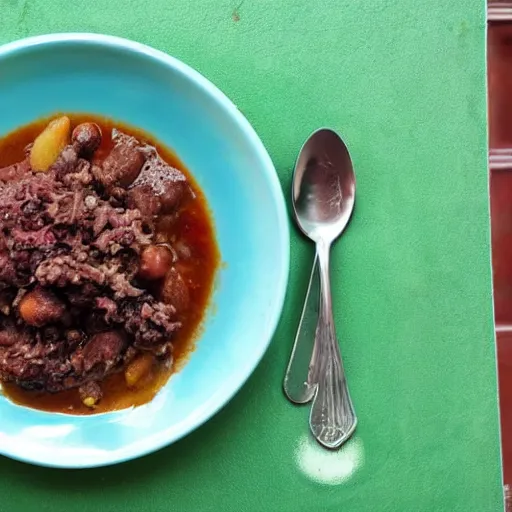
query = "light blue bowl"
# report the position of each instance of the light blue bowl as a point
(150, 90)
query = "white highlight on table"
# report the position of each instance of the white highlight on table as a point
(329, 467)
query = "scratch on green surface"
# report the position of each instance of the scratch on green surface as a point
(236, 11)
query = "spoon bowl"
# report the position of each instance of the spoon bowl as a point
(324, 185)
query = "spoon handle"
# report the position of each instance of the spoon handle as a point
(298, 384)
(332, 419)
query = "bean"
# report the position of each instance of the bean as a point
(86, 138)
(155, 261)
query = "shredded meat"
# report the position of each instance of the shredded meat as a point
(15, 171)
(75, 234)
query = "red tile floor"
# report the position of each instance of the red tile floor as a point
(500, 158)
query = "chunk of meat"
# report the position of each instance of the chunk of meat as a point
(103, 349)
(29, 362)
(40, 307)
(173, 195)
(9, 335)
(122, 165)
(175, 291)
(43, 237)
(168, 184)
(80, 176)
(8, 274)
(151, 323)
(66, 162)
(144, 199)
(15, 172)
(62, 271)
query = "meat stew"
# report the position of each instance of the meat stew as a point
(108, 258)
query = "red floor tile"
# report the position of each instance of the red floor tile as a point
(501, 227)
(504, 340)
(499, 59)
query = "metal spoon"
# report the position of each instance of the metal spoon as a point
(298, 385)
(323, 195)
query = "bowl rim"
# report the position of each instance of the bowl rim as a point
(224, 395)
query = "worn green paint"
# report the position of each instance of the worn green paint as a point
(404, 83)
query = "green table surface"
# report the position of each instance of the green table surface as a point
(404, 82)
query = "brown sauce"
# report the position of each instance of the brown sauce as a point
(193, 228)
